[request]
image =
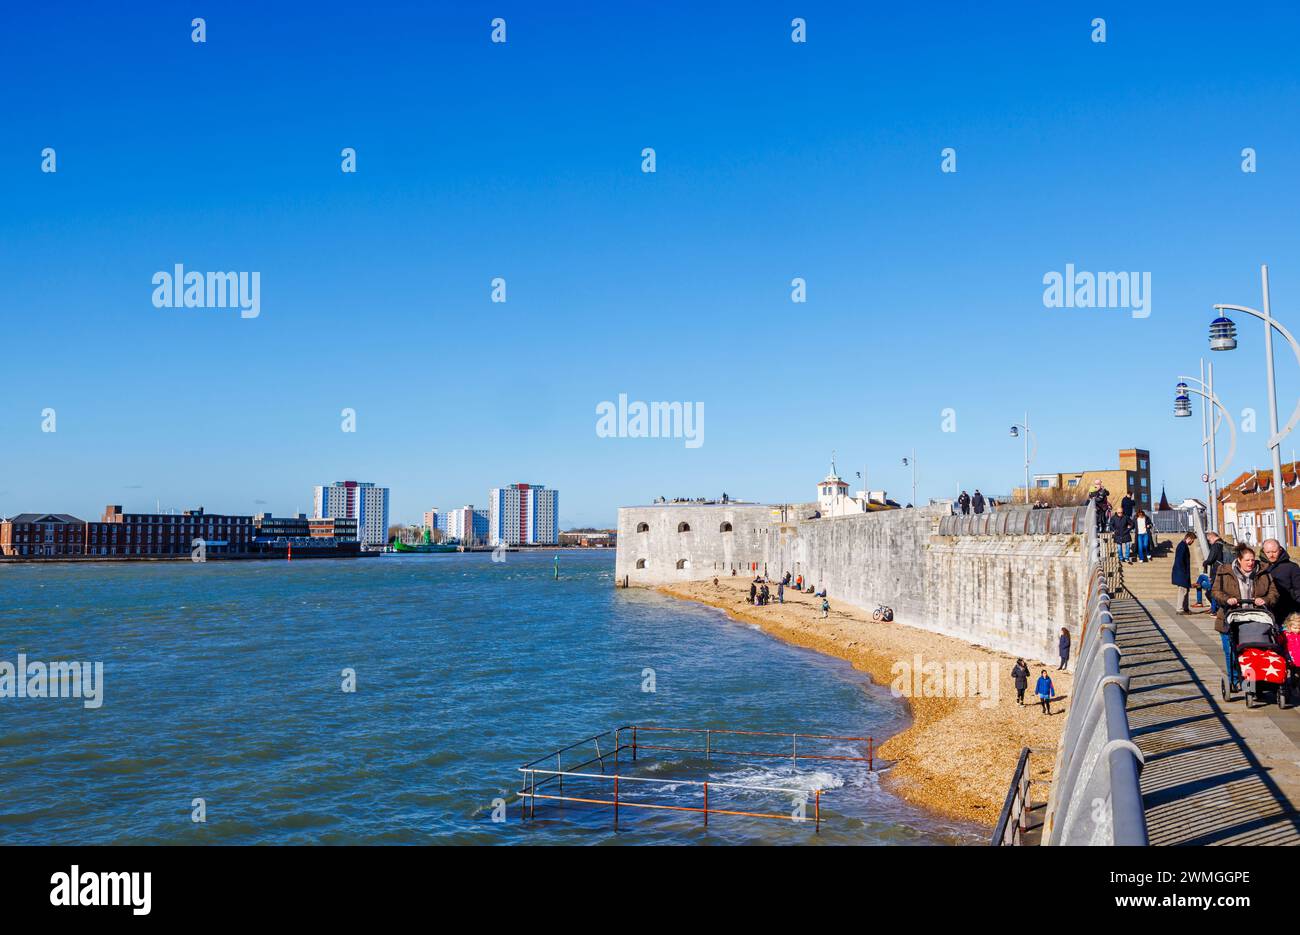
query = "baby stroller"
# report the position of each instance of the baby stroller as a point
(1260, 653)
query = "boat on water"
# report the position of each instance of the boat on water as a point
(425, 547)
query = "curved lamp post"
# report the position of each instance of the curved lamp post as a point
(1015, 433)
(1223, 337)
(1183, 409)
(912, 463)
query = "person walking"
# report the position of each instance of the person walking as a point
(1215, 556)
(1020, 674)
(1126, 505)
(753, 592)
(826, 608)
(1121, 533)
(977, 501)
(1143, 527)
(1063, 647)
(1240, 584)
(1286, 576)
(780, 593)
(1181, 574)
(963, 501)
(1045, 691)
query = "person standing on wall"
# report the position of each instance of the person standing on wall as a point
(1063, 647)
(1181, 575)
(963, 501)
(977, 501)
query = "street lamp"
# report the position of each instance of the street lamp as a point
(1015, 433)
(912, 462)
(1183, 409)
(1223, 338)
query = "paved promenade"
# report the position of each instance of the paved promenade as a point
(1216, 773)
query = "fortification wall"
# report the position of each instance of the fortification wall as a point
(1011, 593)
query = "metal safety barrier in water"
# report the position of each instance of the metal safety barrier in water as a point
(612, 751)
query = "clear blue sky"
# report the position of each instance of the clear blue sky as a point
(522, 160)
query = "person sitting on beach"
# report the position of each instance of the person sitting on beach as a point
(1045, 692)
(826, 608)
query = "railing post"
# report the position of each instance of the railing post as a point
(794, 748)
(871, 766)
(706, 805)
(532, 793)
(817, 812)
(616, 800)
(560, 771)
(633, 743)
(708, 744)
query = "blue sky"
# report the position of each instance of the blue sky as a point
(775, 160)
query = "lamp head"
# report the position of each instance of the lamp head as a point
(1223, 334)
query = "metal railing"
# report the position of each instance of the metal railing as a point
(614, 748)
(1018, 521)
(1011, 823)
(1096, 796)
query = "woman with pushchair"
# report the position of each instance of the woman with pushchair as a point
(1238, 585)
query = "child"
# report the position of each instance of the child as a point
(1045, 691)
(826, 608)
(1203, 585)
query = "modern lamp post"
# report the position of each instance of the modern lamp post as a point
(1015, 433)
(912, 462)
(1223, 337)
(1183, 410)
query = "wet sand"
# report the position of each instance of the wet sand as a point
(959, 753)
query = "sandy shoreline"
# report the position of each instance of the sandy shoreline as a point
(958, 756)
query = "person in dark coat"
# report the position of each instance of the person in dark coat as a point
(1020, 674)
(1181, 575)
(1121, 529)
(977, 501)
(1215, 557)
(1286, 575)
(1063, 647)
(1126, 505)
(963, 501)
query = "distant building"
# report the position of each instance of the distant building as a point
(524, 514)
(466, 525)
(590, 538)
(1246, 507)
(1132, 476)
(45, 534)
(833, 497)
(431, 518)
(342, 528)
(362, 501)
(119, 533)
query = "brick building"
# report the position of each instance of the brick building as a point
(119, 533)
(1246, 506)
(1132, 476)
(48, 535)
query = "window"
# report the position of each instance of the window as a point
(725, 527)
(1142, 463)
(640, 563)
(1072, 482)
(683, 527)
(642, 527)
(683, 564)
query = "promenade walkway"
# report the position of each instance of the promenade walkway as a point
(1215, 773)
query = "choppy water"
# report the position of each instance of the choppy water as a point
(223, 681)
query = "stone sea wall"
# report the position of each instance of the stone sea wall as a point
(1010, 593)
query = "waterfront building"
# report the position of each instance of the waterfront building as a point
(48, 535)
(342, 528)
(358, 500)
(524, 514)
(431, 518)
(590, 538)
(467, 525)
(1246, 507)
(1132, 476)
(119, 533)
